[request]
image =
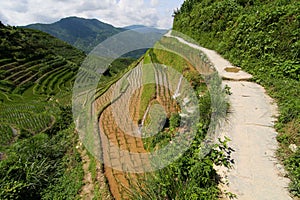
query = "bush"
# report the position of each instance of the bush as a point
(36, 163)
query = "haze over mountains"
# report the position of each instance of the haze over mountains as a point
(86, 34)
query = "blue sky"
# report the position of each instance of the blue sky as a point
(157, 13)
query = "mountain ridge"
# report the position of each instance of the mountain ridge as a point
(82, 33)
(86, 34)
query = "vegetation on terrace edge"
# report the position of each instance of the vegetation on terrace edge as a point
(191, 176)
(262, 37)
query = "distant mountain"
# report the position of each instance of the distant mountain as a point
(145, 29)
(86, 34)
(82, 33)
(134, 27)
(148, 32)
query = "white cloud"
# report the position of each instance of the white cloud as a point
(154, 2)
(95, 5)
(116, 12)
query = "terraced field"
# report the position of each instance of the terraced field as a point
(37, 138)
(127, 112)
(32, 118)
(49, 76)
(116, 133)
(40, 65)
(120, 117)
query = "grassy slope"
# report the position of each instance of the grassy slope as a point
(37, 74)
(38, 156)
(262, 37)
(27, 57)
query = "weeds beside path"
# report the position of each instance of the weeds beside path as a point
(250, 126)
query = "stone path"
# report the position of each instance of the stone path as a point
(256, 174)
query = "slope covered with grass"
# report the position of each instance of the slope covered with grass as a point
(40, 155)
(38, 158)
(262, 37)
(31, 58)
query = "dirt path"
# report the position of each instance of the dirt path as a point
(87, 190)
(91, 187)
(256, 173)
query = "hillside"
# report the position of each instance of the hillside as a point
(29, 57)
(158, 95)
(40, 154)
(85, 34)
(261, 37)
(37, 137)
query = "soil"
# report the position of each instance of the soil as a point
(124, 155)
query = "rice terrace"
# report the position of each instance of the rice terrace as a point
(208, 109)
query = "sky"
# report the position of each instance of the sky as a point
(120, 13)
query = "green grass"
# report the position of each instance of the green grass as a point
(92, 166)
(6, 134)
(70, 182)
(67, 186)
(45, 167)
(29, 117)
(169, 59)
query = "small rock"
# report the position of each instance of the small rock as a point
(281, 170)
(293, 148)
(279, 167)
